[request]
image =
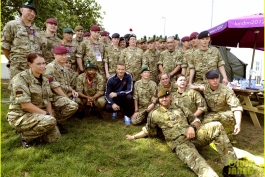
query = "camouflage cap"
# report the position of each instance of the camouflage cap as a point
(163, 92)
(144, 68)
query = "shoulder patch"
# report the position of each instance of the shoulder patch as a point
(50, 78)
(19, 93)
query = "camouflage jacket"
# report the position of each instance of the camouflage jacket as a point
(222, 99)
(190, 99)
(112, 57)
(87, 51)
(96, 85)
(26, 88)
(133, 61)
(151, 59)
(170, 60)
(52, 41)
(173, 122)
(58, 76)
(71, 52)
(144, 93)
(19, 42)
(204, 61)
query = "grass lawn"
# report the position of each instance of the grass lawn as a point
(96, 147)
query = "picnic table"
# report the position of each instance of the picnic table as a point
(249, 96)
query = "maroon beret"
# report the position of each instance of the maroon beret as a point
(104, 33)
(95, 28)
(87, 34)
(52, 20)
(60, 50)
(185, 38)
(193, 35)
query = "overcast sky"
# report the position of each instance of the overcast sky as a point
(182, 17)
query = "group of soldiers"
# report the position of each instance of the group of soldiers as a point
(52, 78)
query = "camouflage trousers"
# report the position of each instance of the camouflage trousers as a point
(141, 118)
(225, 117)
(207, 133)
(34, 126)
(63, 108)
(98, 103)
(17, 67)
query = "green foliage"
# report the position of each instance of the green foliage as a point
(69, 13)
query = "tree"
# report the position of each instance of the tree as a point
(69, 13)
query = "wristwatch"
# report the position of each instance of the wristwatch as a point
(194, 127)
(48, 113)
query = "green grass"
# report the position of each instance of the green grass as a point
(98, 148)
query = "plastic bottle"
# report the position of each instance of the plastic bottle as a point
(235, 83)
(114, 115)
(127, 120)
(253, 83)
(243, 84)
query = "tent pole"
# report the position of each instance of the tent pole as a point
(253, 55)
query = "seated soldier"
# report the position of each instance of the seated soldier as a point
(119, 91)
(184, 133)
(143, 95)
(90, 88)
(224, 106)
(59, 79)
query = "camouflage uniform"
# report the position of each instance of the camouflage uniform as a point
(71, 52)
(96, 86)
(190, 99)
(52, 41)
(187, 57)
(20, 44)
(222, 104)
(133, 61)
(77, 42)
(150, 59)
(144, 93)
(174, 124)
(87, 51)
(204, 61)
(111, 57)
(25, 88)
(170, 60)
(59, 77)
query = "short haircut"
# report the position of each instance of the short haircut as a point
(121, 63)
(179, 75)
(162, 74)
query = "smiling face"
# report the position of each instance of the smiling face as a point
(165, 101)
(164, 79)
(27, 14)
(120, 70)
(204, 42)
(38, 65)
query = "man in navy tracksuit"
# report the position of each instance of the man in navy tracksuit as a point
(119, 91)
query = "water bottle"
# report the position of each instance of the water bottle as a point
(253, 83)
(262, 85)
(235, 83)
(114, 115)
(127, 120)
(243, 84)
